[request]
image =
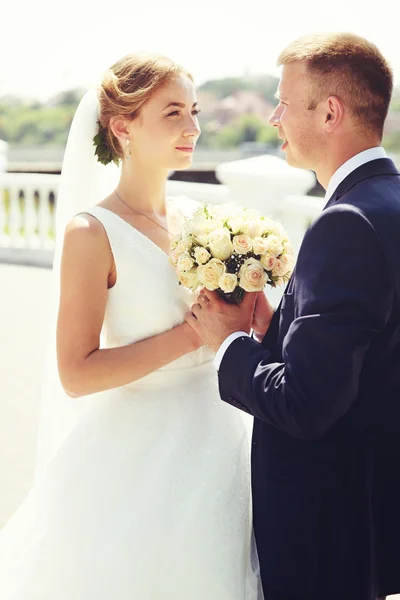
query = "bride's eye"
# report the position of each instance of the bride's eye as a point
(196, 111)
(172, 114)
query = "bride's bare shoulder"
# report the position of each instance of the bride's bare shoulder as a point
(86, 237)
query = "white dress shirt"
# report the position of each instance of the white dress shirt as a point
(340, 175)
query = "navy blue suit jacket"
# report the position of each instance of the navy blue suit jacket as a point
(324, 388)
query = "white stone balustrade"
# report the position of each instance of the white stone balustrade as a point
(27, 203)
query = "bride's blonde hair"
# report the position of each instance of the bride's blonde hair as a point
(127, 86)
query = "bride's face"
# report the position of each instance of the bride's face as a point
(167, 129)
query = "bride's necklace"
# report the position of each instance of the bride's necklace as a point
(140, 213)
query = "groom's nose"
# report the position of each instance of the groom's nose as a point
(275, 118)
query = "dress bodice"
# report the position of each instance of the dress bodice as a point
(146, 299)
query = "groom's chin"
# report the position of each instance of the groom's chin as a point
(292, 162)
(289, 159)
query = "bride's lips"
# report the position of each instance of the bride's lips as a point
(188, 149)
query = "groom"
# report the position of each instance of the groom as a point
(324, 382)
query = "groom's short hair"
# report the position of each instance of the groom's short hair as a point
(347, 66)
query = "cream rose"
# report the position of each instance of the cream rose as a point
(202, 239)
(220, 244)
(228, 282)
(275, 245)
(236, 225)
(260, 245)
(189, 279)
(174, 255)
(185, 262)
(210, 274)
(252, 277)
(201, 255)
(184, 245)
(242, 244)
(175, 241)
(201, 228)
(288, 260)
(282, 266)
(268, 261)
(273, 228)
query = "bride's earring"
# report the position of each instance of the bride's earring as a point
(128, 149)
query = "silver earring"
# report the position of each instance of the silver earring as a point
(128, 149)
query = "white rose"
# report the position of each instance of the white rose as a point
(252, 276)
(189, 279)
(274, 245)
(220, 244)
(203, 227)
(254, 228)
(201, 255)
(197, 221)
(236, 225)
(242, 244)
(260, 245)
(228, 282)
(268, 261)
(210, 274)
(274, 228)
(185, 262)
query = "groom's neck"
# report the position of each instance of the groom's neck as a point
(339, 154)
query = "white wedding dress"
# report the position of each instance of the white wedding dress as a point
(148, 496)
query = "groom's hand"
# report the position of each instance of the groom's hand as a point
(263, 313)
(214, 320)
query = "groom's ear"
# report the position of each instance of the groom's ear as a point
(334, 113)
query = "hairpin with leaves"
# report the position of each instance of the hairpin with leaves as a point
(103, 151)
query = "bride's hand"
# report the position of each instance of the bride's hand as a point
(195, 340)
(262, 316)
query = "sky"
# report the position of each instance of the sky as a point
(47, 46)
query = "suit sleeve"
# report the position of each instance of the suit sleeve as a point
(344, 295)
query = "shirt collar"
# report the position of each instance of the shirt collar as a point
(351, 165)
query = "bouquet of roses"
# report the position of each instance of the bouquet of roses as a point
(231, 249)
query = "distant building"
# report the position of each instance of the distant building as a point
(242, 102)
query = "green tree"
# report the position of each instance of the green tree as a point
(391, 142)
(265, 85)
(247, 128)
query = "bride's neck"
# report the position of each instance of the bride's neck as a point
(143, 189)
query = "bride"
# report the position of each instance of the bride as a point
(143, 485)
